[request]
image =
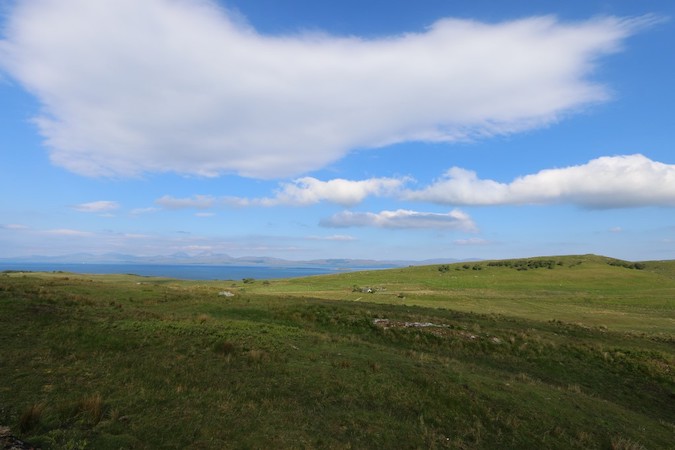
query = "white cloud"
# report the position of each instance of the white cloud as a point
(300, 192)
(402, 219)
(335, 237)
(69, 232)
(139, 211)
(97, 207)
(196, 202)
(14, 226)
(130, 86)
(472, 241)
(606, 182)
(308, 191)
(135, 236)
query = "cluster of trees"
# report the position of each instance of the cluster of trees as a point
(525, 264)
(539, 263)
(446, 268)
(626, 264)
(518, 264)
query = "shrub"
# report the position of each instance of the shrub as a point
(626, 264)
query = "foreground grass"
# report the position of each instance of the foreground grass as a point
(569, 357)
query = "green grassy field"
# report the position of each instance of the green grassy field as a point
(558, 352)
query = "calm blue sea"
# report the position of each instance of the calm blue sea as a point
(186, 272)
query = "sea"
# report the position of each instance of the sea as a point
(179, 271)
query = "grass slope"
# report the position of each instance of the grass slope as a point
(561, 352)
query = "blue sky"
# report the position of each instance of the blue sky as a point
(306, 130)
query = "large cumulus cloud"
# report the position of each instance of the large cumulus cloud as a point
(130, 86)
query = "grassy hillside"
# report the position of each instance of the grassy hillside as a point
(560, 352)
(588, 290)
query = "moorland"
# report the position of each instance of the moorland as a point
(551, 352)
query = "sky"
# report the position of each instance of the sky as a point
(306, 130)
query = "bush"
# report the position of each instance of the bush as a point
(626, 264)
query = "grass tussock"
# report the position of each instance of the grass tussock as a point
(203, 318)
(91, 408)
(225, 348)
(30, 417)
(257, 356)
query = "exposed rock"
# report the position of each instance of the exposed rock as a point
(385, 323)
(11, 442)
(437, 329)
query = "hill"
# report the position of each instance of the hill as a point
(585, 289)
(552, 352)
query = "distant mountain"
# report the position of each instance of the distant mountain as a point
(222, 259)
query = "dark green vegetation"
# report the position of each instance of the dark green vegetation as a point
(573, 352)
